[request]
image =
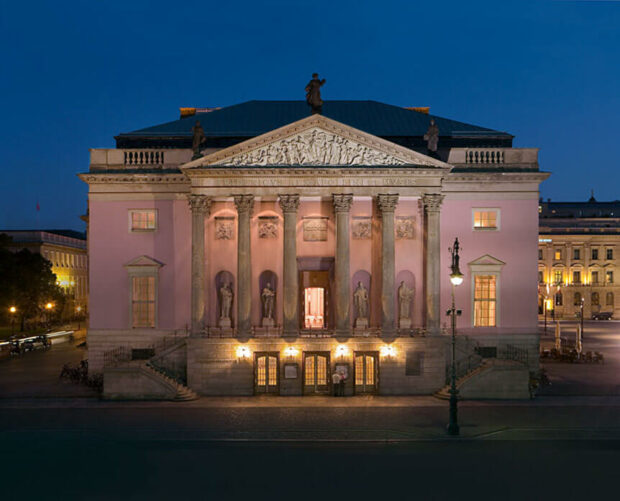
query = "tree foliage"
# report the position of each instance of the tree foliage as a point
(27, 282)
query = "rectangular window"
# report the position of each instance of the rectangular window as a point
(557, 255)
(143, 301)
(143, 220)
(486, 219)
(540, 254)
(576, 277)
(485, 297)
(610, 277)
(577, 254)
(540, 277)
(610, 253)
(557, 277)
(594, 254)
(595, 277)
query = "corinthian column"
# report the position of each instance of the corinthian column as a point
(432, 204)
(244, 205)
(199, 205)
(342, 205)
(387, 204)
(290, 287)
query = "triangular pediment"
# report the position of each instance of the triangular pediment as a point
(144, 261)
(316, 141)
(486, 260)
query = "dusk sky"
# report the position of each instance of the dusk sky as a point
(74, 74)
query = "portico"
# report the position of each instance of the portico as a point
(369, 188)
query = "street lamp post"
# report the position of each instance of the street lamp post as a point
(12, 311)
(79, 310)
(456, 278)
(48, 308)
(581, 308)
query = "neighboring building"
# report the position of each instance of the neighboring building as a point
(289, 213)
(579, 258)
(66, 250)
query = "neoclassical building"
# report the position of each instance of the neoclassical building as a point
(287, 245)
(578, 258)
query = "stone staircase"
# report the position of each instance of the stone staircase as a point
(444, 393)
(183, 393)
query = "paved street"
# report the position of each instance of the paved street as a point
(56, 446)
(582, 378)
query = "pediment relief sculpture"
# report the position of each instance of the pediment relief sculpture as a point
(314, 147)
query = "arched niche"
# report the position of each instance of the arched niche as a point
(364, 277)
(222, 278)
(408, 278)
(265, 278)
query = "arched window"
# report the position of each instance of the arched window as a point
(577, 301)
(609, 299)
(558, 299)
(595, 299)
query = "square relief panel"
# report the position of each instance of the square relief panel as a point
(267, 227)
(361, 228)
(315, 229)
(404, 227)
(224, 228)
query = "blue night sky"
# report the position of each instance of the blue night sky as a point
(77, 73)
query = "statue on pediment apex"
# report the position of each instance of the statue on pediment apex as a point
(313, 93)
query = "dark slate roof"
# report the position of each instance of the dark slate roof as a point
(253, 118)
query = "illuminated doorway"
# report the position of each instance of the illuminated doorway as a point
(266, 373)
(314, 308)
(366, 372)
(316, 373)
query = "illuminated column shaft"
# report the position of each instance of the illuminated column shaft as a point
(199, 206)
(387, 205)
(290, 289)
(342, 206)
(432, 205)
(244, 205)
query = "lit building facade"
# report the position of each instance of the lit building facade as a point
(66, 251)
(295, 245)
(578, 258)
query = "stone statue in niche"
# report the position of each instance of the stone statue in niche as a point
(198, 138)
(226, 299)
(405, 295)
(360, 299)
(268, 296)
(313, 94)
(404, 228)
(268, 228)
(361, 229)
(223, 229)
(432, 137)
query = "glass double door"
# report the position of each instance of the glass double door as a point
(366, 372)
(266, 373)
(316, 373)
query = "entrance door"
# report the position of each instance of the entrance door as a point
(366, 372)
(314, 288)
(266, 373)
(316, 373)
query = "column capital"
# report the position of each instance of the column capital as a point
(288, 203)
(387, 202)
(244, 203)
(199, 204)
(342, 202)
(432, 202)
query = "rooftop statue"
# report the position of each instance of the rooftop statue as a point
(432, 137)
(197, 139)
(313, 93)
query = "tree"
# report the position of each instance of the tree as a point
(28, 283)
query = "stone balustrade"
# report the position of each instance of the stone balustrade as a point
(120, 159)
(526, 158)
